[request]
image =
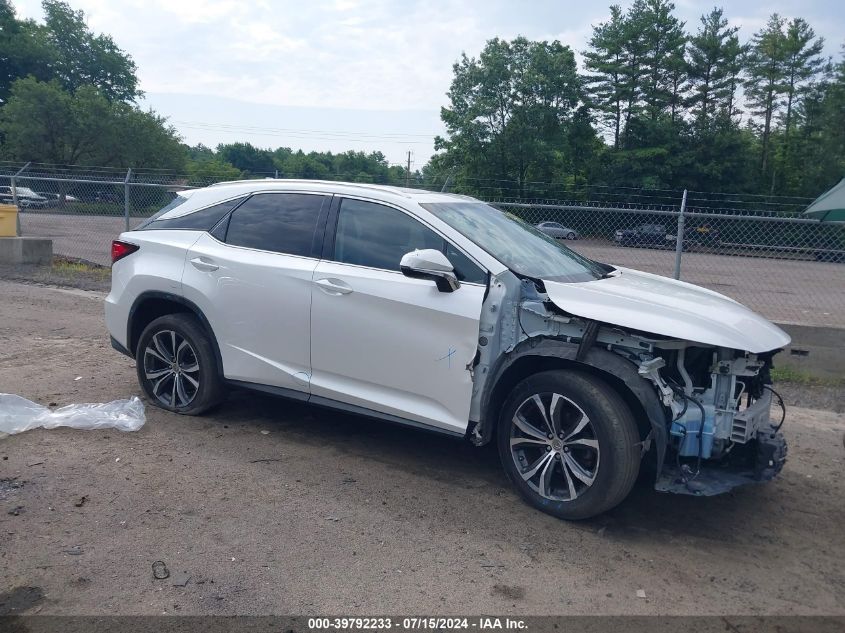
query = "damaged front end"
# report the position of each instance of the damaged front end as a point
(707, 406)
(721, 434)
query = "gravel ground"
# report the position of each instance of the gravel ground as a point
(271, 507)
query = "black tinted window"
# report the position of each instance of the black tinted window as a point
(280, 222)
(178, 200)
(201, 220)
(374, 235)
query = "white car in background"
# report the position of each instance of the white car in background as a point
(440, 312)
(27, 198)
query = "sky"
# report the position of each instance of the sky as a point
(349, 74)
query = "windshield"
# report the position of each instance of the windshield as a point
(518, 245)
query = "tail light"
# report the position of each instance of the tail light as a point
(119, 250)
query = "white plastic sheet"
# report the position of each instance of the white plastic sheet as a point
(18, 414)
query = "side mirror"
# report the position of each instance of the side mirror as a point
(430, 264)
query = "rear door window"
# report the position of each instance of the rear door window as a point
(288, 223)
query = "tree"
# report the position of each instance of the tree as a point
(247, 158)
(605, 60)
(208, 171)
(509, 110)
(802, 61)
(712, 69)
(44, 122)
(816, 157)
(663, 40)
(200, 153)
(764, 85)
(23, 50)
(85, 59)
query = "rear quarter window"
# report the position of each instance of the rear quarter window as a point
(201, 220)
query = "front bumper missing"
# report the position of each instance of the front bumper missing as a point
(758, 461)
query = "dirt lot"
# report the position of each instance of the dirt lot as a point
(785, 291)
(272, 507)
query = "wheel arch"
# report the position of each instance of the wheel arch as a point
(153, 304)
(542, 354)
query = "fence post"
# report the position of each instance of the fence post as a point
(679, 239)
(15, 198)
(126, 197)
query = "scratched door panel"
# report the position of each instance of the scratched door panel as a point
(394, 344)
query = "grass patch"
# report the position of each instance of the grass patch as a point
(803, 377)
(69, 268)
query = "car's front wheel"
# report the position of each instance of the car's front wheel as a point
(569, 444)
(177, 365)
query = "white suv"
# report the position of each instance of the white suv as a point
(443, 313)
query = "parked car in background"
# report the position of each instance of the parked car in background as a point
(442, 313)
(643, 235)
(701, 234)
(27, 198)
(54, 199)
(558, 231)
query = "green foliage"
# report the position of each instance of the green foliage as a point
(238, 160)
(43, 122)
(608, 81)
(510, 112)
(247, 158)
(210, 170)
(714, 61)
(663, 40)
(67, 97)
(82, 58)
(666, 105)
(24, 50)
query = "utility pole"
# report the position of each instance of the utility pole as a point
(408, 171)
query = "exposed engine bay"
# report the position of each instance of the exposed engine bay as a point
(709, 406)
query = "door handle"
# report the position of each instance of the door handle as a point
(334, 286)
(204, 265)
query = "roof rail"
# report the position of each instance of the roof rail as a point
(357, 185)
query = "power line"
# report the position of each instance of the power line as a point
(328, 135)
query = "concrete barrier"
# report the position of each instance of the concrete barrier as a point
(26, 250)
(819, 351)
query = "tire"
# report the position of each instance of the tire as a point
(570, 236)
(586, 475)
(197, 385)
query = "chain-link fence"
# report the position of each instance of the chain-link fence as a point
(790, 269)
(756, 249)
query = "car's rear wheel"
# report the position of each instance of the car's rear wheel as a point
(569, 444)
(570, 236)
(177, 366)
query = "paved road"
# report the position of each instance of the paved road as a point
(274, 507)
(786, 291)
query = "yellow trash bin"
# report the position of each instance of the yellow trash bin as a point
(8, 220)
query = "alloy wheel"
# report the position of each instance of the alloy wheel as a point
(554, 446)
(172, 369)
